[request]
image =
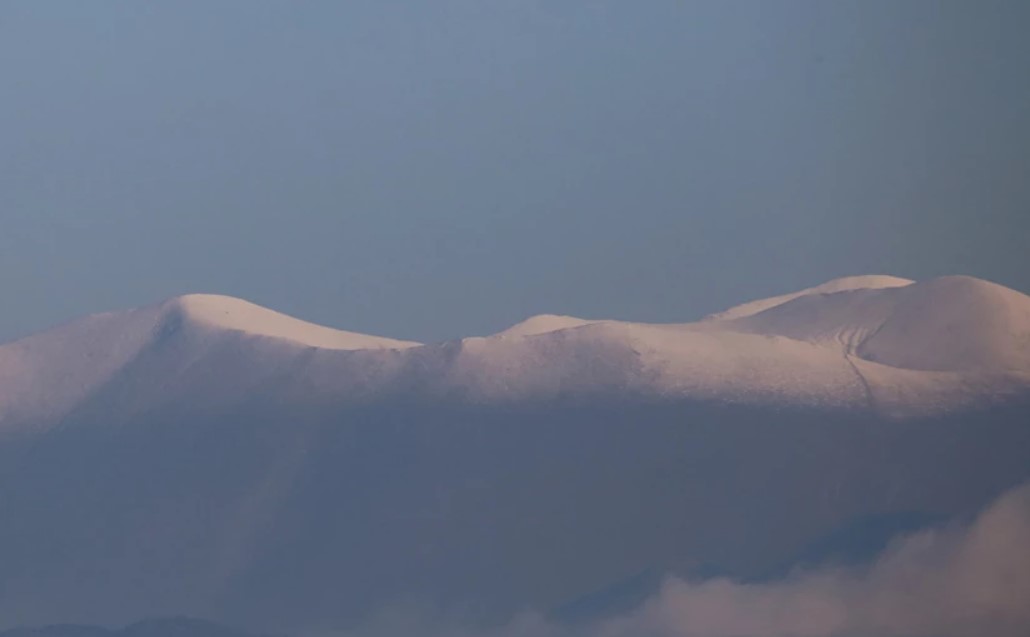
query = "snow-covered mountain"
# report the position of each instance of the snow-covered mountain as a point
(860, 342)
(183, 340)
(208, 457)
(874, 342)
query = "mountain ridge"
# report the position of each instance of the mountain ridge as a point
(859, 342)
(157, 463)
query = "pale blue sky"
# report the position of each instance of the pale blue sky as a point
(435, 168)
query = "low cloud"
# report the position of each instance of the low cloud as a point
(952, 581)
(955, 581)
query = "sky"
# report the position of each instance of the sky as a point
(434, 169)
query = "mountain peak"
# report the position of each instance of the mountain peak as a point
(234, 314)
(542, 324)
(842, 284)
(860, 282)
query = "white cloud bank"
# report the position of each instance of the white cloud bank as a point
(957, 581)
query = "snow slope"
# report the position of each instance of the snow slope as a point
(206, 456)
(951, 323)
(865, 282)
(930, 345)
(542, 324)
(45, 376)
(873, 342)
(878, 342)
(607, 358)
(228, 313)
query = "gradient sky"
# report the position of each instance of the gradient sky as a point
(436, 168)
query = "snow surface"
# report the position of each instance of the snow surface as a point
(542, 324)
(230, 313)
(44, 376)
(844, 284)
(874, 342)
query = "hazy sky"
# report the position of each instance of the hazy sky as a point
(435, 168)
